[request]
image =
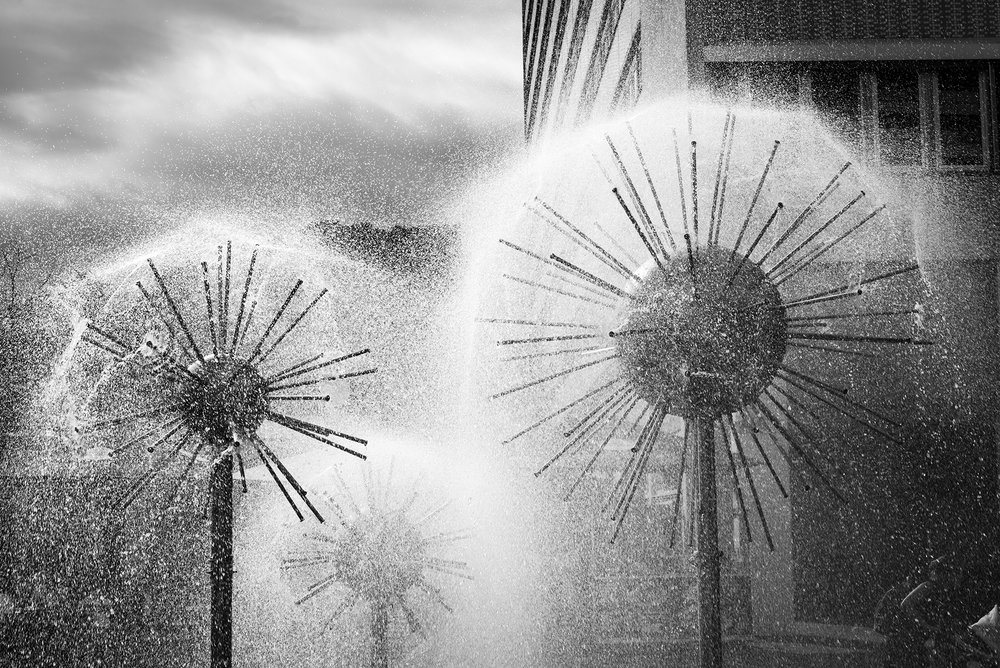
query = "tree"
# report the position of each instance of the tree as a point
(28, 270)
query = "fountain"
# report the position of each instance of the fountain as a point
(382, 553)
(122, 359)
(640, 306)
(707, 331)
(211, 404)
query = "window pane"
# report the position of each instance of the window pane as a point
(759, 84)
(899, 118)
(836, 97)
(770, 86)
(961, 117)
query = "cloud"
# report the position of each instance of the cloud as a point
(375, 106)
(48, 45)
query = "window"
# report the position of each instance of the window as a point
(897, 110)
(760, 84)
(836, 96)
(929, 115)
(961, 119)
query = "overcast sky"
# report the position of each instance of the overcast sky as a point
(370, 109)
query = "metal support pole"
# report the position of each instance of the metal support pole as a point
(380, 634)
(709, 588)
(221, 491)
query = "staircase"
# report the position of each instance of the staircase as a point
(805, 645)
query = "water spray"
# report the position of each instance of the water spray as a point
(706, 331)
(382, 552)
(210, 402)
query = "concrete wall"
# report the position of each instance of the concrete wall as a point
(727, 21)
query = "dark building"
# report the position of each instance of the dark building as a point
(910, 89)
(586, 60)
(108, 588)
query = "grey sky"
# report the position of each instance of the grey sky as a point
(364, 108)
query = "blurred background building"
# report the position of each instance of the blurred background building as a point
(83, 584)
(909, 87)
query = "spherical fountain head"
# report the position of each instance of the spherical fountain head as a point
(380, 556)
(707, 344)
(230, 398)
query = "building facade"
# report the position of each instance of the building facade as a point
(585, 60)
(909, 87)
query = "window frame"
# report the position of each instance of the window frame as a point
(872, 130)
(984, 125)
(930, 120)
(928, 101)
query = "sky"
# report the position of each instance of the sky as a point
(115, 113)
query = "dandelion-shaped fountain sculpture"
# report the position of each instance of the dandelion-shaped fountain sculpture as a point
(707, 329)
(381, 554)
(214, 403)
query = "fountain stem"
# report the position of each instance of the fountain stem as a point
(709, 616)
(380, 634)
(221, 500)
